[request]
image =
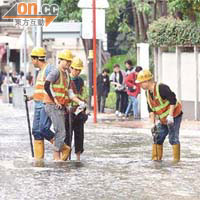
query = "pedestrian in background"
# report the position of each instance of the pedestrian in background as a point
(2, 77)
(162, 104)
(133, 89)
(129, 67)
(103, 89)
(117, 78)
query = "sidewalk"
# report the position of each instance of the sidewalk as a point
(111, 119)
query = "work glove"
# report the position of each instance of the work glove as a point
(82, 105)
(170, 120)
(26, 98)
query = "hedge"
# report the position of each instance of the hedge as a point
(171, 32)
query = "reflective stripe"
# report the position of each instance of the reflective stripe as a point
(59, 94)
(39, 91)
(39, 86)
(58, 86)
(157, 108)
(162, 105)
(164, 114)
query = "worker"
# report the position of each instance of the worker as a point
(41, 122)
(57, 97)
(76, 117)
(162, 104)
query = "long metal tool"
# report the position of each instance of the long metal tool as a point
(28, 121)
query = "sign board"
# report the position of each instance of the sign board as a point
(87, 24)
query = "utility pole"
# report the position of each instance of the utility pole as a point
(94, 60)
(39, 28)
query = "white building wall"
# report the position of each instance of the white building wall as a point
(169, 75)
(188, 76)
(169, 70)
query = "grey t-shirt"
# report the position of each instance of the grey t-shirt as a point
(53, 76)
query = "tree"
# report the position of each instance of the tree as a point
(68, 10)
(184, 9)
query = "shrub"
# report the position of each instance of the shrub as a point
(111, 100)
(120, 59)
(171, 32)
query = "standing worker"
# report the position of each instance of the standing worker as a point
(57, 97)
(41, 122)
(77, 121)
(162, 103)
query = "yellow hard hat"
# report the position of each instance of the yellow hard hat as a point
(38, 52)
(144, 75)
(77, 63)
(65, 55)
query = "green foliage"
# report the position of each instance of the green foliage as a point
(68, 10)
(170, 32)
(111, 99)
(85, 93)
(143, 6)
(188, 8)
(120, 59)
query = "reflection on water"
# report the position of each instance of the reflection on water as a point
(116, 164)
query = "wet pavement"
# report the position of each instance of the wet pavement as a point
(116, 164)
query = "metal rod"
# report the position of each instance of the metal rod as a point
(29, 126)
(94, 60)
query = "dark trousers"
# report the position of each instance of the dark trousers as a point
(101, 103)
(122, 101)
(75, 125)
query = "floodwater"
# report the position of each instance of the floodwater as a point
(116, 165)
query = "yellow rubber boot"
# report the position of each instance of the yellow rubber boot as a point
(157, 151)
(65, 151)
(176, 152)
(39, 149)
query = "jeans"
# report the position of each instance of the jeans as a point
(101, 103)
(133, 102)
(58, 119)
(172, 130)
(41, 124)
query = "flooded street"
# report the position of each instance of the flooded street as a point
(116, 165)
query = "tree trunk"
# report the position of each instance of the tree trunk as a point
(159, 8)
(164, 8)
(142, 27)
(146, 21)
(136, 24)
(155, 10)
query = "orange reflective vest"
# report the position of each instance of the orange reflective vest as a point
(161, 106)
(60, 89)
(39, 85)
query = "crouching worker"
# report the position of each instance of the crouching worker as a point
(76, 116)
(41, 122)
(162, 104)
(57, 97)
